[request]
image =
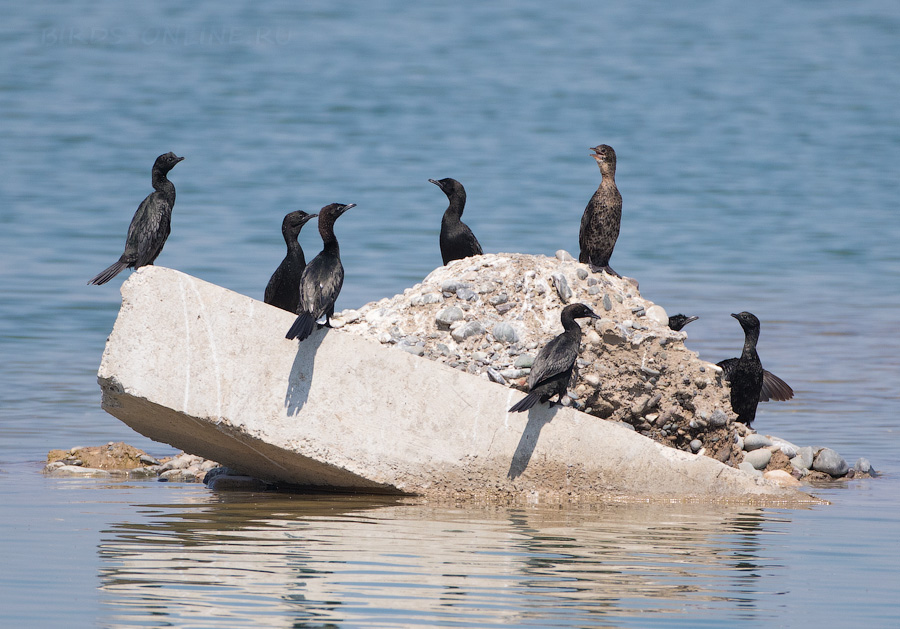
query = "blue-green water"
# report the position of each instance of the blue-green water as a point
(758, 149)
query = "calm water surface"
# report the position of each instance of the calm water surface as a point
(758, 147)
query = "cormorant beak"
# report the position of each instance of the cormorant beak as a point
(594, 315)
(347, 207)
(689, 319)
(735, 316)
(178, 159)
(437, 183)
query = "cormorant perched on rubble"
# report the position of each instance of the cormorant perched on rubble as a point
(678, 321)
(457, 240)
(150, 225)
(283, 289)
(750, 383)
(322, 278)
(552, 369)
(602, 216)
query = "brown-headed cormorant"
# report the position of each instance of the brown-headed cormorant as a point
(552, 369)
(150, 225)
(602, 216)
(457, 240)
(283, 289)
(322, 278)
(750, 383)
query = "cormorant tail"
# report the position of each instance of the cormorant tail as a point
(303, 326)
(108, 273)
(525, 403)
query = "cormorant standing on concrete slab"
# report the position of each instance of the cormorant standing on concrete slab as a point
(552, 369)
(750, 383)
(678, 321)
(150, 225)
(322, 278)
(457, 240)
(283, 289)
(602, 216)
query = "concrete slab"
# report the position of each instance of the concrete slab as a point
(208, 370)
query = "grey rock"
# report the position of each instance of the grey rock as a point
(755, 442)
(582, 273)
(466, 294)
(607, 303)
(495, 376)
(430, 298)
(562, 287)
(513, 374)
(178, 476)
(805, 456)
(451, 286)
(498, 299)
(594, 290)
(863, 466)
(505, 333)
(472, 328)
(718, 418)
(830, 462)
(696, 444)
(788, 448)
(748, 467)
(524, 361)
(448, 315)
(504, 308)
(415, 350)
(146, 459)
(564, 256)
(759, 459)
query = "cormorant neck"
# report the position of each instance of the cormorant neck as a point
(290, 239)
(570, 325)
(608, 171)
(750, 339)
(326, 231)
(457, 203)
(159, 180)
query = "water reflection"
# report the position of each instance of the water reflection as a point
(297, 560)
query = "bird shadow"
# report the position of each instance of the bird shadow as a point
(537, 416)
(300, 379)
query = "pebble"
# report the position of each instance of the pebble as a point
(562, 287)
(830, 462)
(427, 298)
(524, 361)
(504, 308)
(448, 315)
(782, 478)
(564, 256)
(505, 333)
(607, 303)
(350, 316)
(804, 458)
(718, 418)
(385, 337)
(472, 328)
(514, 374)
(759, 459)
(496, 300)
(748, 467)
(415, 350)
(592, 337)
(696, 444)
(466, 294)
(789, 449)
(450, 287)
(582, 273)
(146, 459)
(593, 290)
(75, 470)
(495, 376)
(658, 314)
(863, 466)
(755, 442)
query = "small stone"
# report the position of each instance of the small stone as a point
(448, 316)
(718, 418)
(564, 256)
(77, 470)
(472, 328)
(505, 307)
(466, 294)
(830, 462)
(541, 287)
(431, 298)
(350, 316)
(748, 467)
(594, 290)
(146, 459)
(451, 286)
(782, 478)
(415, 350)
(495, 376)
(863, 466)
(607, 303)
(805, 456)
(592, 337)
(592, 379)
(755, 442)
(505, 333)
(759, 459)
(498, 299)
(696, 444)
(514, 374)
(385, 337)
(789, 449)
(658, 314)
(649, 371)
(562, 287)
(582, 273)
(524, 361)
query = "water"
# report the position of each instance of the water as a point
(758, 147)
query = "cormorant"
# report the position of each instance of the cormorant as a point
(283, 289)
(552, 369)
(457, 240)
(150, 225)
(602, 216)
(750, 383)
(322, 278)
(676, 322)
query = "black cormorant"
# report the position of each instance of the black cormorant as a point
(322, 278)
(676, 322)
(602, 216)
(750, 383)
(150, 225)
(457, 240)
(283, 289)
(552, 369)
